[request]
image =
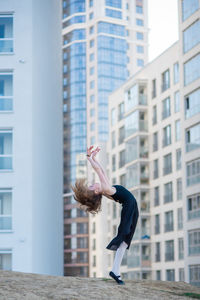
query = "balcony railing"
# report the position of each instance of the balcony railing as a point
(169, 227)
(193, 179)
(5, 222)
(194, 214)
(165, 86)
(6, 45)
(169, 256)
(194, 249)
(142, 99)
(166, 141)
(6, 103)
(167, 170)
(157, 229)
(192, 146)
(165, 114)
(144, 152)
(145, 206)
(143, 125)
(157, 257)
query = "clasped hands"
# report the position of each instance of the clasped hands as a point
(92, 152)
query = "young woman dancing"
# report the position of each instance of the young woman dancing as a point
(90, 199)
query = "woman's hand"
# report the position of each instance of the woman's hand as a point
(94, 153)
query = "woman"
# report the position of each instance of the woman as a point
(90, 197)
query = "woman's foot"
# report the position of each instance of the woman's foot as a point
(117, 278)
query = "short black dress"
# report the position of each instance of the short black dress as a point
(129, 217)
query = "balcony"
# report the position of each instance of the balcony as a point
(144, 152)
(193, 250)
(194, 214)
(145, 206)
(143, 125)
(144, 177)
(142, 99)
(192, 146)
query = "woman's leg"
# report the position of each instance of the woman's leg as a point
(118, 258)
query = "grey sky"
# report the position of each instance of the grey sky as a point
(163, 25)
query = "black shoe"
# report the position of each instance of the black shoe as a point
(119, 281)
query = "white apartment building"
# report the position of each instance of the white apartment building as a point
(31, 210)
(154, 150)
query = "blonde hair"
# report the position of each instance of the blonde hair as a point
(87, 198)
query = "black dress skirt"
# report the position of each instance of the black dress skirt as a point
(129, 217)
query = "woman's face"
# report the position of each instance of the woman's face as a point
(96, 187)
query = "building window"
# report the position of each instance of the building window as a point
(113, 117)
(176, 101)
(92, 112)
(91, 15)
(193, 172)
(192, 106)
(120, 111)
(188, 8)
(166, 112)
(92, 84)
(5, 259)
(167, 164)
(169, 222)
(179, 188)
(178, 130)
(170, 275)
(153, 88)
(139, 22)
(176, 73)
(6, 33)
(180, 248)
(113, 139)
(166, 135)
(91, 70)
(157, 256)
(92, 126)
(91, 43)
(155, 141)
(156, 196)
(140, 62)
(122, 179)
(192, 70)
(91, 3)
(181, 274)
(94, 244)
(193, 204)
(5, 209)
(194, 275)
(191, 36)
(121, 135)
(113, 162)
(169, 250)
(91, 56)
(155, 173)
(165, 81)
(92, 140)
(139, 9)
(140, 49)
(168, 194)
(158, 274)
(193, 138)
(92, 99)
(157, 224)
(113, 13)
(6, 149)
(91, 29)
(114, 210)
(194, 242)
(139, 35)
(121, 158)
(94, 261)
(178, 159)
(6, 90)
(180, 218)
(154, 120)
